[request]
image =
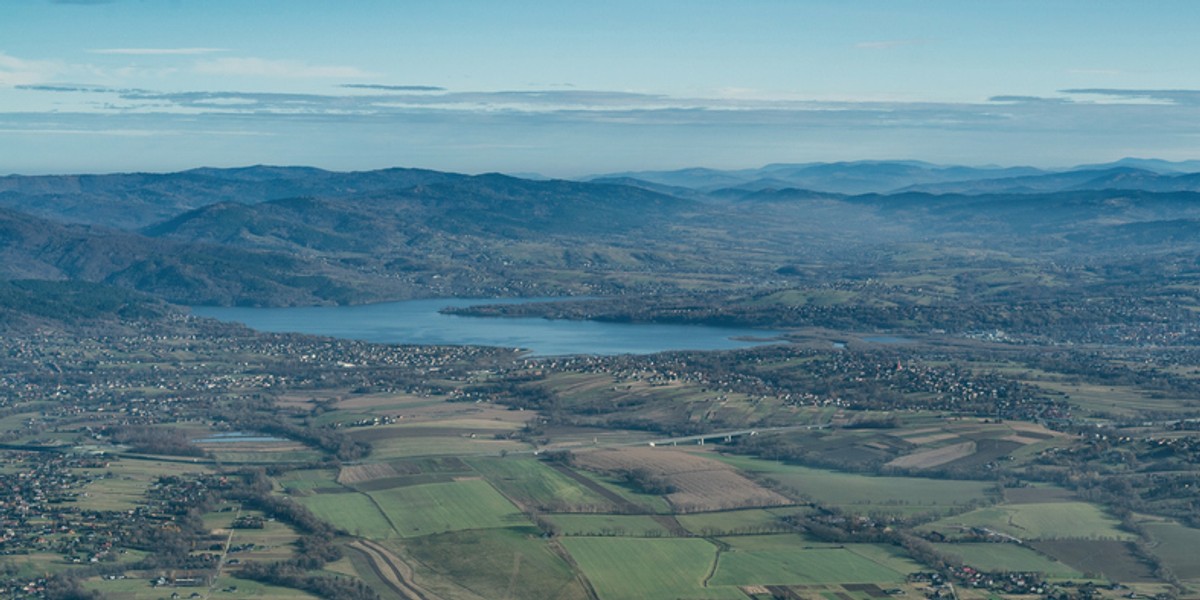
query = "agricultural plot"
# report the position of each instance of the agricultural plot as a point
(1099, 559)
(494, 563)
(1008, 557)
(793, 560)
(308, 480)
(627, 497)
(634, 569)
(1178, 547)
(405, 445)
(1036, 494)
(1117, 401)
(933, 457)
(1042, 521)
(697, 483)
(740, 522)
(865, 493)
(352, 512)
(439, 507)
(534, 485)
(608, 525)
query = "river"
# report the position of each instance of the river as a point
(419, 322)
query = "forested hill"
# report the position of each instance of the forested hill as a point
(300, 236)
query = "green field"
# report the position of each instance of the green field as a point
(1177, 546)
(794, 560)
(309, 479)
(533, 484)
(634, 569)
(737, 522)
(866, 493)
(1039, 521)
(648, 502)
(444, 445)
(494, 563)
(1007, 557)
(608, 525)
(354, 513)
(439, 507)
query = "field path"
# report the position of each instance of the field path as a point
(391, 570)
(558, 549)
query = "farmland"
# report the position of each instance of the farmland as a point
(793, 560)
(1008, 557)
(831, 466)
(862, 493)
(631, 569)
(1048, 521)
(439, 507)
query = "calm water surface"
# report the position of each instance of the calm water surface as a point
(419, 322)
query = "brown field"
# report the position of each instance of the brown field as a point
(934, 457)
(700, 483)
(360, 473)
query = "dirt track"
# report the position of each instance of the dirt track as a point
(391, 570)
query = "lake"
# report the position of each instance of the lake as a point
(419, 322)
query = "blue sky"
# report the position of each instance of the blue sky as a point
(567, 88)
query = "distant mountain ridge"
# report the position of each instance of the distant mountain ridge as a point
(295, 235)
(879, 177)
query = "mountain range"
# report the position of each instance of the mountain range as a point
(295, 235)
(862, 177)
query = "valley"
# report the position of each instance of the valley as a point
(972, 395)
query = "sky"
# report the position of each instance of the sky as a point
(566, 88)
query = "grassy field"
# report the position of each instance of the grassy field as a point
(865, 493)
(608, 525)
(1007, 557)
(634, 569)
(1177, 546)
(309, 479)
(532, 484)
(792, 560)
(649, 502)
(735, 522)
(1038, 521)
(1099, 559)
(405, 446)
(439, 507)
(495, 563)
(355, 513)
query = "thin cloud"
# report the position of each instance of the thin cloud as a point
(1029, 100)
(157, 51)
(393, 88)
(18, 71)
(284, 69)
(1184, 97)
